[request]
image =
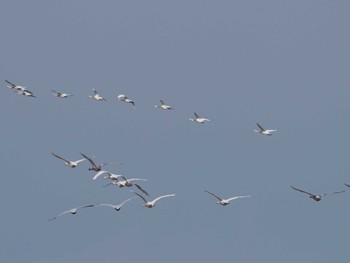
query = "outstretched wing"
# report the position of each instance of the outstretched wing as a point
(141, 189)
(95, 91)
(144, 199)
(213, 195)
(11, 84)
(136, 179)
(123, 203)
(65, 212)
(98, 174)
(79, 161)
(124, 178)
(197, 116)
(237, 197)
(302, 191)
(337, 192)
(89, 159)
(160, 197)
(162, 102)
(72, 211)
(59, 157)
(260, 127)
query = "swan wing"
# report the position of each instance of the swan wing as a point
(59, 157)
(144, 199)
(98, 174)
(302, 191)
(89, 159)
(213, 195)
(160, 197)
(141, 189)
(123, 203)
(11, 84)
(237, 197)
(260, 127)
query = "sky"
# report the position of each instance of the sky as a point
(283, 64)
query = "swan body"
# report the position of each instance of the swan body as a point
(125, 99)
(225, 202)
(263, 131)
(198, 119)
(19, 89)
(97, 96)
(94, 166)
(127, 183)
(109, 175)
(163, 106)
(71, 164)
(60, 94)
(150, 204)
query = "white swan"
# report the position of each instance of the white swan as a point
(71, 164)
(112, 177)
(26, 93)
(198, 119)
(119, 206)
(263, 131)
(317, 197)
(97, 96)
(109, 175)
(226, 201)
(94, 166)
(60, 94)
(15, 87)
(150, 204)
(125, 99)
(163, 106)
(19, 89)
(73, 211)
(127, 183)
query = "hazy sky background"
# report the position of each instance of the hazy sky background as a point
(284, 64)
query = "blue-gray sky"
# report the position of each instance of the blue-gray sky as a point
(284, 64)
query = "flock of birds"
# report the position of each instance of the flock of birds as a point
(120, 180)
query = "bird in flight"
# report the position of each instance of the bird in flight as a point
(94, 166)
(71, 164)
(72, 211)
(150, 204)
(163, 106)
(97, 96)
(263, 131)
(127, 183)
(198, 119)
(117, 207)
(109, 175)
(316, 197)
(226, 201)
(125, 99)
(20, 89)
(60, 94)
